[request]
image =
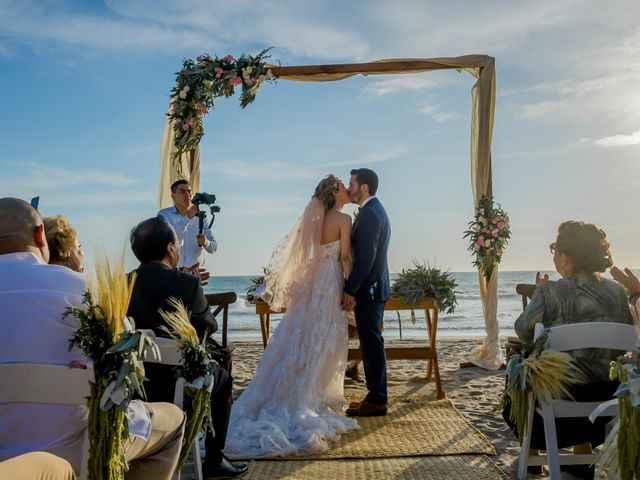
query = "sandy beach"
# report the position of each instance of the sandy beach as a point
(474, 391)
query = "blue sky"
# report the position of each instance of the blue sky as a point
(85, 87)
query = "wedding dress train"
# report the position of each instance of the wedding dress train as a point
(294, 403)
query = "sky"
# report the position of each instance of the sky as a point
(86, 86)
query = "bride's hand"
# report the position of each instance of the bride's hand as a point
(348, 301)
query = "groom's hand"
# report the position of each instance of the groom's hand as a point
(348, 301)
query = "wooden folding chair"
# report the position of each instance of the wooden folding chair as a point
(562, 338)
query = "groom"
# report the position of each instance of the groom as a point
(367, 288)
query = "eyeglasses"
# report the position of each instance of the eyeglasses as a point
(552, 248)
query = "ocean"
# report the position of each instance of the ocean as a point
(466, 321)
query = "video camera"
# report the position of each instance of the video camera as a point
(206, 199)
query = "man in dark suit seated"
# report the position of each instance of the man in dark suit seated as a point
(154, 243)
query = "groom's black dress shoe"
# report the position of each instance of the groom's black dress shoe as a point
(367, 409)
(227, 469)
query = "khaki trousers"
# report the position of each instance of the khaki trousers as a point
(157, 457)
(36, 466)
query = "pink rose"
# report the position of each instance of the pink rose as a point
(485, 230)
(227, 58)
(188, 124)
(250, 81)
(500, 225)
(235, 80)
(218, 71)
(480, 241)
(200, 58)
(202, 109)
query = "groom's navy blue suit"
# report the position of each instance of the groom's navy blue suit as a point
(369, 284)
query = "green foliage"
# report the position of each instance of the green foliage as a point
(118, 372)
(205, 79)
(256, 282)
(422, 281)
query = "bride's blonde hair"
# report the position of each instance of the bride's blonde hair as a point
(325, 190)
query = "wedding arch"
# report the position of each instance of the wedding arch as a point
(182, 160)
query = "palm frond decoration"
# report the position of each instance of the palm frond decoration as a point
(423, 281)
(547, 373)
(110, 340)
(196, 369)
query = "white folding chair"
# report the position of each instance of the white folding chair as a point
(562, 338)
(170, 355)
(50, 384)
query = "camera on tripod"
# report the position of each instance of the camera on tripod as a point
(206, 199)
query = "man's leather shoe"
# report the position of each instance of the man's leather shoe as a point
(227, 469)
(367, 409)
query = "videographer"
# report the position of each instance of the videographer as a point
(183, 218)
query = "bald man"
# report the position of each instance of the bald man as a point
(33, 298)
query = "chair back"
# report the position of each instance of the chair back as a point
(609, 335)
(169, 353)
(50, 384)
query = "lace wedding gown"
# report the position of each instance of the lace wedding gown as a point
(293, 405)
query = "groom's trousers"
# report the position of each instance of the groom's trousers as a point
(369, 323)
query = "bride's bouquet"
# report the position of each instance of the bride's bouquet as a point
(488, 235)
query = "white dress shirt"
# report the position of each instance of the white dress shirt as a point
(33, 298)
(187, 229)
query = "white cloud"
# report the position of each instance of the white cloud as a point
(397, 84)
(542, 108)
(37, 176)
(435, 112)
(619, 140)
(281, 171)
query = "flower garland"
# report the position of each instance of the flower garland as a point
(488, 235)
(201, 81)
(117, 351)
(196, 369)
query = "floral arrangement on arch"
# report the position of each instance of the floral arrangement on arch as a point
(201, 81)
(117, 350)
(488, 235)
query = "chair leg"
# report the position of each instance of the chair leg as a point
(551, 440)
(197, 461)
(526, 441)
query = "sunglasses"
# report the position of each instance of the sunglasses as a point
(552, 248)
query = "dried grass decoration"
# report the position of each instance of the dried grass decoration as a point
(547, 373)
(108, 338)
(196, 369)
(620, 456)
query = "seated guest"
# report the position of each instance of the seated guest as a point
(64, 248)
(155, 245)
(36, 466)
(33, 298)
(580, 253)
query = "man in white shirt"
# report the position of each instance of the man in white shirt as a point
(182, 217)
(33, 298)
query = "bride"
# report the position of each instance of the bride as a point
(294, 403)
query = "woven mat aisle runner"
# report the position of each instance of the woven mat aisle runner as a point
(415, 426)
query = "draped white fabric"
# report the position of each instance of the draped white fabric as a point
(187, 166)
(489, 354)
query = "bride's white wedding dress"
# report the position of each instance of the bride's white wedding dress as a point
(294, 403)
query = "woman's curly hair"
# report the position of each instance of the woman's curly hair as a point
(325, 190)
(61, 237)
(586, 245)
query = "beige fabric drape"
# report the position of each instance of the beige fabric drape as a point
(189, 166)
(482, 67)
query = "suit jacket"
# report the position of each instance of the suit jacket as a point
(369, 279)
(154, 285)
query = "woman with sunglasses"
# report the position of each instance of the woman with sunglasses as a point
(581, 253)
